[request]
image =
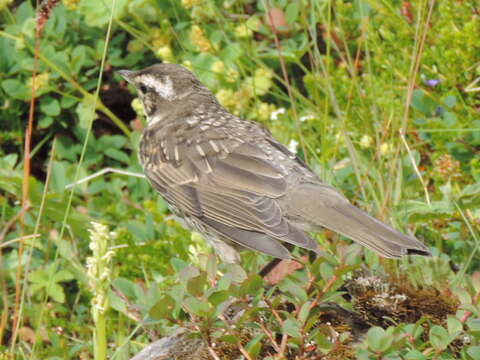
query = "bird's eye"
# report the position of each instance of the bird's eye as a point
(143, 89)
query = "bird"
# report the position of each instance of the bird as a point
(230, 180)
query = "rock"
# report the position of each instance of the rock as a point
(178, 346)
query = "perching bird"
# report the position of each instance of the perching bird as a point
(231, 181)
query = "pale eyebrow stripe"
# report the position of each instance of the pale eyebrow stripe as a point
(163, 88)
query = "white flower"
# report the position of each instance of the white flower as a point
(165, 53)
(386, 148)
(341, 164)
(218, 67)
(307, 117)
(105, 275)
(108, 255)
(93, 245)
(366, 141)
(292, 146)
(274, 114)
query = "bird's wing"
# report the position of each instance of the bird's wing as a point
(233, 187)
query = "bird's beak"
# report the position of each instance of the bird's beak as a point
(127, 75)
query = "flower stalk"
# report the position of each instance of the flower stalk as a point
(98, 272)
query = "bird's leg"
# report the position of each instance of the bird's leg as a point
(312, 256)
(269, 267)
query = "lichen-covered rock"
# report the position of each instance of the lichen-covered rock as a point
(178, 346)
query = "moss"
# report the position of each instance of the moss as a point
(383, 299)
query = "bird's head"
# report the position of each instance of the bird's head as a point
(161, 85)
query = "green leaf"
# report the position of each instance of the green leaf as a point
(196, 285)
(362, 9)
(16, 89)
(96, 187)
(224, 282)
(474, 352)
(116, 141)
(237, 273)
(230, 339)
(450, 101)
(250, 286)
(422, 208)
(211, 267)
(58, 176)
(163, 308)
(116, 302)
(79, 58)
(454, 326)
(291, 13)
(117, 155)
(137, 229)
(323, 342)
(44, 122)
(304, 311)
(63, 275)
(126, 287)
(470, 190)
(473, 324)
(97, 13)
(288, 286)
(378, 340)
(187, 273)
(292, 328)
(178, 264)
(439, 337)
(85, 113)
(423, 103)
(50, 106)
(67, 102)
(218, 297)
(55, 291)
(415, 355)
(48, 279)
(196, 306)
(254, 346)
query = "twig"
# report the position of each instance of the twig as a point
(10, 242)
(270, 337)
(283, 345)
(274, 311)
(327, 287)
(212, 352)
(470, 87)
(104, 171)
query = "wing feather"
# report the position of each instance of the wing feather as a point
(230, 186)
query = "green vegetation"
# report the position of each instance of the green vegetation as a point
(380, 98)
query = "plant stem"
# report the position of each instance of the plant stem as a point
(100, 340)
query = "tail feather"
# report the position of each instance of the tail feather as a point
(331, 210)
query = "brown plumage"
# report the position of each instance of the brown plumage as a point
(230, 180)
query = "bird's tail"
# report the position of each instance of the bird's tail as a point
(323, 206)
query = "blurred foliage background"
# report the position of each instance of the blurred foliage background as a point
(380, 98)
